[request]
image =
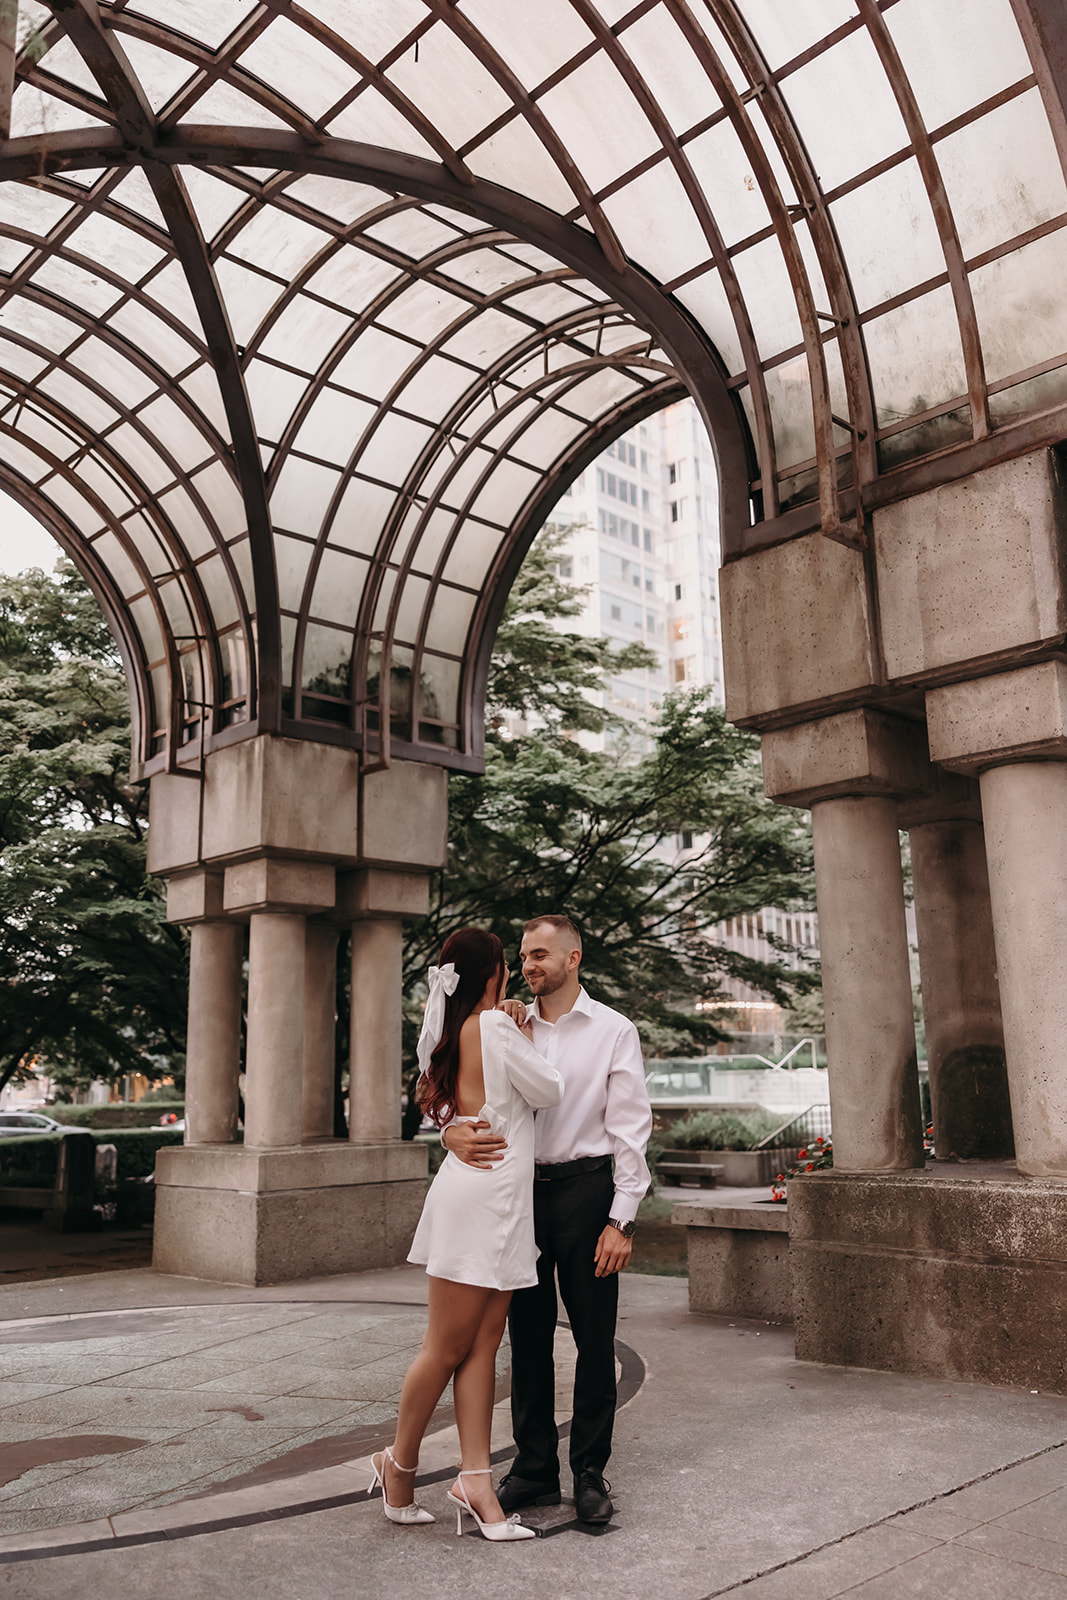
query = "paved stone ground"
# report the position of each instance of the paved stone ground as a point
(737, 1470)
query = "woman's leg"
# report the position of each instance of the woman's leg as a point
(473, 1389)
(456, 1311)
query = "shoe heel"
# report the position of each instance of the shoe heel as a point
(459, 1524)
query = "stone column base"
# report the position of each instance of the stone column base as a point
(958, 1274)
(738, 1255)
(254, 1217)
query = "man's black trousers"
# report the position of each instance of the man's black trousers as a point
(569, 1216)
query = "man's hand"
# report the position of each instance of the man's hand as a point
(474, 1144)
(613, 1252)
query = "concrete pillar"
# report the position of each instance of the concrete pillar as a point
(870, 1032)
(275, 1051)
(213, 1048)
(961, 998)
(374, 1058)
(1025, 810)
(320, 1018)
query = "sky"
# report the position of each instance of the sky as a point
(23, 541)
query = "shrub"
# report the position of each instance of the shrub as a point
(118, 1114)
(136, 1148)
(723, 1130)
(28, 1161)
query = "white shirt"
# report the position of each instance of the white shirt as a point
(605, 1109)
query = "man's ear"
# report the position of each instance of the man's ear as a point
(574, 959)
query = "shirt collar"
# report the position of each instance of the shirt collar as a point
(582, 1004)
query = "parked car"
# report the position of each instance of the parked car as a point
(14, 1122)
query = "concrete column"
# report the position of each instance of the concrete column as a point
(961, 998)
(870, 1032)
(213, 1047)
(275, 1052)
(374, 1058)
(320, 1017)
(1025, 810)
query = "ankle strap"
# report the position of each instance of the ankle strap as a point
(473, 1472)
(396, 1463)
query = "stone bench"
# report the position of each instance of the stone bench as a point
(689, 1167)
(738, 1254)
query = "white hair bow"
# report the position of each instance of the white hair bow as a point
(443, 981)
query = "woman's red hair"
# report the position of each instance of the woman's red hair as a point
(478, 957)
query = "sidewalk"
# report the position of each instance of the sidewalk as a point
(737, 1471)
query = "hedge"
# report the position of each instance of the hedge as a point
(28, 1161)
(118, 1114)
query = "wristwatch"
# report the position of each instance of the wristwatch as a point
(627, 1229)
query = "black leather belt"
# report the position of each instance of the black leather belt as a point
(545, 1172)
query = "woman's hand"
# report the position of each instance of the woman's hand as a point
(515, 1010)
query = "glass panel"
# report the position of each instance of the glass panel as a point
(915, 357)
(845, 109)
(62, 493)
(220, 493)
(81, 289)
(409, 612)
(551, 33)
(936, 433)
(486, 270)
(468, 563)
(352, 278)
(1003, 174)
(768, 291)
(132, 447)
(335, 197)
(79, 401)
(241, 555)
(339, 585)
(160, 686)
(431, 537)
(20, 457)
(176, 605)
(484, 338)
(371, 119)
(957, 53)
(306, 72)
(465, 477)
(725, 174)
(103, 240)
(225, 106)
(148, 539)
(127, 384)
(59, 440)
(204, 20)
(277, 242)
(181, 512)
(218, 589)
(888, 235)
(580, 108)
(288, 643)
(305, 333)
(33, 210)
(202, 388)
(361, 515)
(1035, 394)
(423, 311)
(516, 158)
(292, 557)
(374, 364)
(161, 73)
(382, 23)
(505, 493)
(1021, 307)
(450, 617)
(431, 390)
(439, 682)
(392, 448)
(327, 661)
(103, 483)
(157, 339)
(234, 651)
(38, 324)
(214, 201)
(34, 112)
(448, 83)
(248, 297)
(143, 615)
(549, 435)
(789, 397)
(171, 290)
(784, 32)
(547, 304)
(109, 550)
(176, 432)
(275, 395)
(669, 66)
(413, 232)
(301, 495)
(334, 426)
(19, 362)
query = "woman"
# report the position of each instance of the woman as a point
(475, 1235)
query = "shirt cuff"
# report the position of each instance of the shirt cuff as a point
(624, 1207)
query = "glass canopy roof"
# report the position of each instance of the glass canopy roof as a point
(309, 312)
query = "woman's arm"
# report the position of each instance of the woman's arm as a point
(539, 1084)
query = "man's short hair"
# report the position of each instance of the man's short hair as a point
(561, 923)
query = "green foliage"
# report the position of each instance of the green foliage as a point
(94, 979)
(118, 1114)
(28, 1161)
(722, 1130)
(136, 1148)
(553, 825)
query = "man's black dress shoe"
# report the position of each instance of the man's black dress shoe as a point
(591, 1498)
(515, 1492)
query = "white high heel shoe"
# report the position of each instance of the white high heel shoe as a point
(511, 1528)
(406, 1514)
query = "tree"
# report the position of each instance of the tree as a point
(555, 825)
(93, 977)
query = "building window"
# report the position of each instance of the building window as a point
(674, 511)
(678, 670)
(687, 839)
(677, 591)
(648, 540)
(672, 473)
(680, 629)
(644, 460)
(635, 534)
(646, 501)
(616, 613)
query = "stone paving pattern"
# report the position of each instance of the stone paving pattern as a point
(737, 1470)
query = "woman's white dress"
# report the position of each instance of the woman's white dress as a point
(477, 1226)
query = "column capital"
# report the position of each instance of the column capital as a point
(860, 752)
(195, 896)
(280, 884)
(1010, 716)
(376, 892)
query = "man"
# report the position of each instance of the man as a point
(583, 1220)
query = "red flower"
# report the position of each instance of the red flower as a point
(802, 1155)
(820, 1140)
(809, 1166)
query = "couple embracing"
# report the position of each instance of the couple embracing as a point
(516, 1203)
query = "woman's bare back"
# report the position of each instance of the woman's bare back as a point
(470, 1085)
